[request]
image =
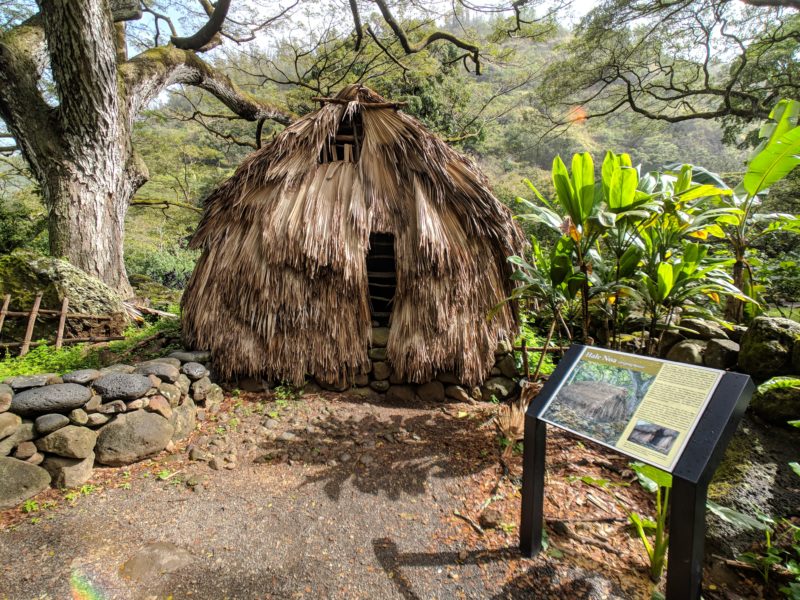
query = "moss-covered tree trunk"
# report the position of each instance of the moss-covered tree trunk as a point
(78, 144)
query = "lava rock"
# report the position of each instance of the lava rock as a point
(503, 347)
(184, 384)
(24, 433)
(508, 367)
(688, 351)
(122, 386)
(164, 371)
(433, 391)
(401, 393)
(194, 371)
(377, 353)
(94, 403)
(62, 397)
(25, 451)
(214, 395)
(131, 437)
(81, 377)
(50, 423)
(159, 404)
(776, 403)
(97, 419)
(458, 393)
(6, 393)
(27, 382)
(171, 392)
(721, 354)
(69, 472)
(499, 387)
(381, 371)
(200, 389)
(8, 424)
(361, 380)
(170, 360)
(380, 337)
(448, 378)
(78, 416)
(70, 441)
(20, 480)
(118, 368)
(766, 347)
(201, 356)
(153, 560)
(703, 330)
(113, 408)
(380, 386)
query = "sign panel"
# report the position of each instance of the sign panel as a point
(644, 407)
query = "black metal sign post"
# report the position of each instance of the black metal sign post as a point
(690, 477)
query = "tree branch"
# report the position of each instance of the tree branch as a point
(473, 50)
(166, 204)
(148, 73)
(206, 34)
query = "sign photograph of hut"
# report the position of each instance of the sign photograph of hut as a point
(644, 407)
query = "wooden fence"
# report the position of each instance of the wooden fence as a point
(524, 349)
(36, 312)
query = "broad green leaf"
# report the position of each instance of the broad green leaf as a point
(702, 191)
(734, 517)
(651, 477)
(666, 279)
(795, 466)
(629, 261)
(782, 118)
(533, 188)
(684, 179)
(773, 163)
(583, 183)
(564, 189)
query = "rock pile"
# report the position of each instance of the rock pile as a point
(381, 378)
(54, 429)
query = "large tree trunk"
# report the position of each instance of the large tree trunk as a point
(87, 221)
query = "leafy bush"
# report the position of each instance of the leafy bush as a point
(171, 268)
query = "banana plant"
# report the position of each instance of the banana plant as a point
(776, 156)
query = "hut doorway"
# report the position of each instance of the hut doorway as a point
(382, 277)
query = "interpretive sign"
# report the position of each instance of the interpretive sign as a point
(644, 407)
(676, 417)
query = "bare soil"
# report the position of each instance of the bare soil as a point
(363, 500)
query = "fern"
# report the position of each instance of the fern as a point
(779, 383)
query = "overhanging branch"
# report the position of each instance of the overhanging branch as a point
(206, 34)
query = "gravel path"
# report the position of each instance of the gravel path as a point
(328, 497)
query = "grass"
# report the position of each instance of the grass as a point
(46, 359)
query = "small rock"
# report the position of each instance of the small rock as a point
(25, 450)
(688, 351)
(403, 394)
(379, 386)
(703, 330)
(159, 404)
(381, 370)
(503, 347)
(8, 424)
(138, 404)
(70, 441)
(491, 518)
(171, 393)
(311, 388)
(69, 472)
(20, 480)
(184, 384)
(216, 463)
(170, 360)
(433, 391)
(366, 460)
(198, 454)
(380, 337)
(26, 382)
(196, 480)
(164, 371)
(25, 432)
(184, 420)
(214, 396)
(113, 408)
(118, 368)
(200, 389)
(36, 459)
(377, 353)
(194, 371)
(61, 397)
(201, 356)
(154, 381)
(448, 378)
(6, 393)
(93, 404)
(499, 387)
(721, 354)
(345, 457)
(457, 393)
(361, 380)
(49, 423)
(508, 366)
(78, 416)
(271, 423)
(81, 377)
(122, 386)
(287, 436)
(96, 419)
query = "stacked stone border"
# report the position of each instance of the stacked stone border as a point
(54, 429)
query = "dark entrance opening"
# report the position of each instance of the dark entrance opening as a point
(382, 276)
(346, 145)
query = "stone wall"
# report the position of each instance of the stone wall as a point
(54, 429)
(380, 378)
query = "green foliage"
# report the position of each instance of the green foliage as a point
(171, 268)
(46, 359)
(657, 482)
(286, 393)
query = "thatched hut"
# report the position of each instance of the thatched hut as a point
(353, 216)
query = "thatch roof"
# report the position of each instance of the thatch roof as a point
(281, 288)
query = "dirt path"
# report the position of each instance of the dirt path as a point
(352, 499)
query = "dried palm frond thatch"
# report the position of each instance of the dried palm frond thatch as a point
(281, 287)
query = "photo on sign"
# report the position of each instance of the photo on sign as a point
(598, 400)
(655, 437)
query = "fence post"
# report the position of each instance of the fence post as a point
(26, 343)
(62, 319)
(4, 310)
(525, 365)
